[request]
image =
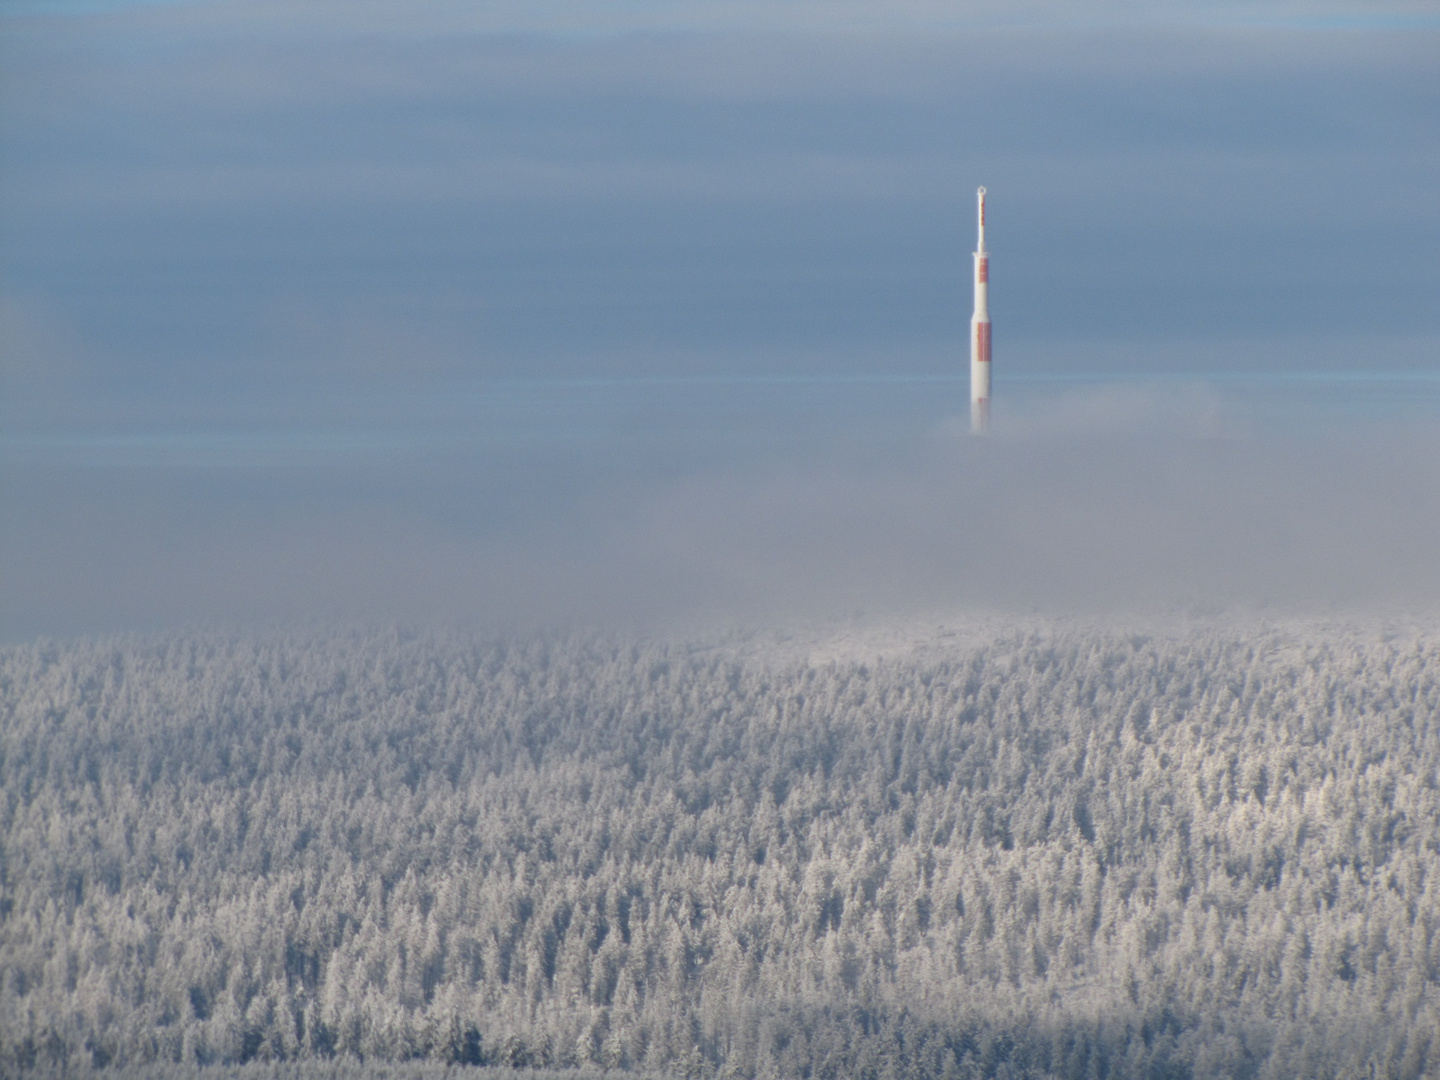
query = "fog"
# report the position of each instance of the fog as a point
(525, 318)
(1112, 499)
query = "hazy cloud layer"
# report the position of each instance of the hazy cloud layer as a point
(307, 209)
(1112, 500)
(322, 311)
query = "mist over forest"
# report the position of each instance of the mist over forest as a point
(965, 848)
(565, 332)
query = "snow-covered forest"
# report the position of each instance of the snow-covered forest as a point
(1049, 849)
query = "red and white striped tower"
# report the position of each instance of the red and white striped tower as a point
(980, 334)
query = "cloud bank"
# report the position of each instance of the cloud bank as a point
(311, 311)
(1110, 500)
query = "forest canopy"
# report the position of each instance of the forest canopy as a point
(1044, 849)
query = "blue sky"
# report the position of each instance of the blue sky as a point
(462, 284)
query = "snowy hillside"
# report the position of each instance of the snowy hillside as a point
(972, 849)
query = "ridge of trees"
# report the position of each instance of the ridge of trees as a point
(1067, 852)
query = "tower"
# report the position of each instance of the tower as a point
(980, 333)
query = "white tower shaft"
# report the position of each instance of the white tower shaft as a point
(980, 333)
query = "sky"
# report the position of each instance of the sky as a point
(520, 314)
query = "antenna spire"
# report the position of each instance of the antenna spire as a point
(980, 201)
